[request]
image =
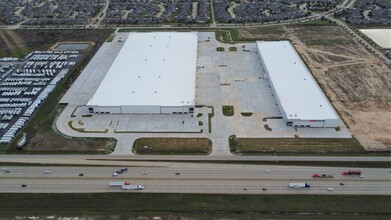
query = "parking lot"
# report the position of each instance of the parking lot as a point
(25, 85)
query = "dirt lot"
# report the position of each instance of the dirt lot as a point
(21, 42)
(357, 83)
(41, 135)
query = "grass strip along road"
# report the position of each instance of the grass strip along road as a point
(196, 205)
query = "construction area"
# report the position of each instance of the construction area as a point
(357, 83)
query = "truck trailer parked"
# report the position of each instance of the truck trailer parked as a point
(299, 185)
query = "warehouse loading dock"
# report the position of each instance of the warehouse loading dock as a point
(299, 98)
(153, 73)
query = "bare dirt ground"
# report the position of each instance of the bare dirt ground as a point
(357, 83)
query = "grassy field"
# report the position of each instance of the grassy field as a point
(125, 205)
(253, 146)
(173, 146)
(111, 37)
(42, 138)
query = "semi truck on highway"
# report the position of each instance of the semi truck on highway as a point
(299, 185)
(132, 187)
(316, 175)
(119, 183)
(352, 172)
(125, 185)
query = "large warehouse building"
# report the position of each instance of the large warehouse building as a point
(153, 73)
(300, 99)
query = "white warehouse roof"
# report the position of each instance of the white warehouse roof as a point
(156, 68)
(299, 95)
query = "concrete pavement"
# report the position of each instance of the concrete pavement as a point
(196, 178)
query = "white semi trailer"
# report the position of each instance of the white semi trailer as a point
(125, 185)
(119, 183)
(299, 185)
(132, 187)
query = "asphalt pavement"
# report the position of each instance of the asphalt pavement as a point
(196, 178)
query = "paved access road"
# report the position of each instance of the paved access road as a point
(196, 178)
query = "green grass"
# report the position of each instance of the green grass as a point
(17, 52)
(172, 146)
(111, 37)
(254, 146)
(233, 49)
(220, 49)
(199, 206)
(222, 35)
(246, 114)
(228, 110)
(210, 116)
(83, 130)
(316, 22)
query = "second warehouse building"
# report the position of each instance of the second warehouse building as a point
(300, 99)
(153, 73)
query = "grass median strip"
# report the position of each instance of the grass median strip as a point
(193, 205)
(257, 146)
(83, 130)
(172, 146)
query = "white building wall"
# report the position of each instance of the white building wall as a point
(288, 72)
(171, 109)
(107, 109)
(331, 123)
(140, 109)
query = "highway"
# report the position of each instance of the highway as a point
(196, 178)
